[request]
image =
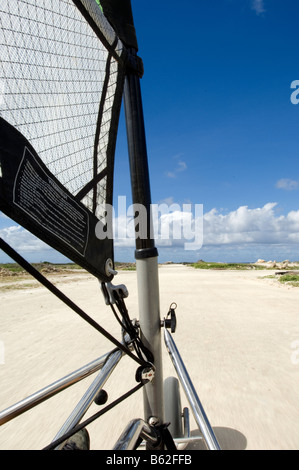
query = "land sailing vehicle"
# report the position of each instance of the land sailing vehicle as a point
(66, 66)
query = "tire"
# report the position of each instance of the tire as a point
(172, 406)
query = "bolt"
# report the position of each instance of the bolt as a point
(153, 421)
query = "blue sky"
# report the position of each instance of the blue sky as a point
(216, 94)
(221, 128)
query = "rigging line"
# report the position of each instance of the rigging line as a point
(78, 428)
(110, 47)
(89, 186)
(98, 128)
(139, 347)
(130, 330)
(46, 283)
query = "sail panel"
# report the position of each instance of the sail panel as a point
(91, 8)
(61, 83)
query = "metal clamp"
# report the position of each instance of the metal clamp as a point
(145, 374)
(171, 322)
(109, 291)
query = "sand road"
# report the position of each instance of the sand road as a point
(238, 335)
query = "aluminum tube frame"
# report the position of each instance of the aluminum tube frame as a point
(89, 396)
(51, 390)
(150, 331)
(195, 404)
(135, 429)
(146, 253)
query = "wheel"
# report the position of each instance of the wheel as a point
(172, 406)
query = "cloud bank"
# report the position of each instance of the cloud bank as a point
(251, 226)
(22, 240)
(264, 226)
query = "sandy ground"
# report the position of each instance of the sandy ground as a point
(236, 334)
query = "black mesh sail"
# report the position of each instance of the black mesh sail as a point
(61, 83)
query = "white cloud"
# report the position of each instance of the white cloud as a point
(287, 184)
(234, 230)
(170, 174)
(180, 167)
(258, 6)
(243, 226)
(22, 240)
(251, 226)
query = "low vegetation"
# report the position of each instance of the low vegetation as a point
(222, 266)
(14, 269)
(13, 276)
(125, 266)
(290, 279)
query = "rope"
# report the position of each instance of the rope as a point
(127, 325)
(46, 283)
(97, 415)
(141, 350)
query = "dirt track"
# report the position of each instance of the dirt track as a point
(237, 335)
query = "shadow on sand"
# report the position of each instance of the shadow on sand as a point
(229, 439)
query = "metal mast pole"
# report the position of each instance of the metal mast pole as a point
(146, 253)
(119, 13)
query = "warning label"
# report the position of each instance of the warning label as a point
(52, 208)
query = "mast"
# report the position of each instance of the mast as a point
(119, 13)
